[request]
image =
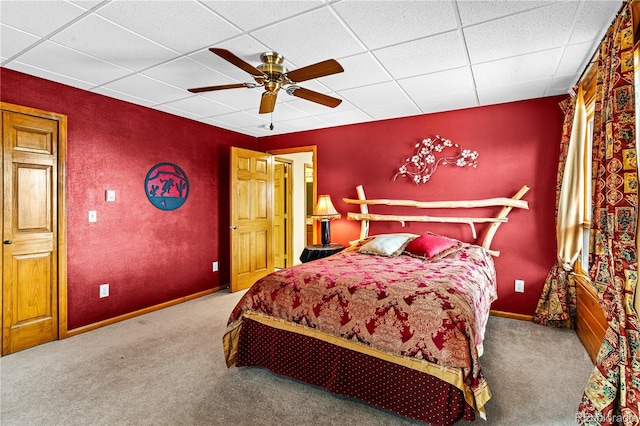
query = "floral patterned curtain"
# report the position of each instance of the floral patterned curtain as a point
(612, 395)
(557, 304)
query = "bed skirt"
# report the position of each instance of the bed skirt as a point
(397, 388)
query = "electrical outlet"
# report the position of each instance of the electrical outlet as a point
(519, 286)
(215, 266)
(93, 216)
(104, 290)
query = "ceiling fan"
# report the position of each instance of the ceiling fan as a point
(273, 76)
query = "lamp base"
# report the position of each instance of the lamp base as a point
(325, 231)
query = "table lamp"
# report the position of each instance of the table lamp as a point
(324, 212)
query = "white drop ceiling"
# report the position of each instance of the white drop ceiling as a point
(400, 58)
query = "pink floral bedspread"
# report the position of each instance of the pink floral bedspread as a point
(431, 310)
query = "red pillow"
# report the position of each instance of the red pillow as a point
(431, 246)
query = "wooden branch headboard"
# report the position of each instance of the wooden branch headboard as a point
(507, 204)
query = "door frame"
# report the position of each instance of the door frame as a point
(62, 207)
(288, 187)
(314, 160)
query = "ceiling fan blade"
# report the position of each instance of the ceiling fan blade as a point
(321, 69)
(228, 56)
(222, 87)
(313, 96)
(268, 102)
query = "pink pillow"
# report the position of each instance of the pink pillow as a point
(432, 247)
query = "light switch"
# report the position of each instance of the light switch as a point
(111, 195)
(93, 216)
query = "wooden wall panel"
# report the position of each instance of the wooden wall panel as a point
(591, 323)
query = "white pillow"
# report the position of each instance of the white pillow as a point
(387, 244)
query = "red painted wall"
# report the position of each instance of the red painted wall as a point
(518, 144)
(151, 256)
(148, 256)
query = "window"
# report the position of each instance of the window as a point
(588, 82)
(586, 224)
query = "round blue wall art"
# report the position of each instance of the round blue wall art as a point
(167, 186)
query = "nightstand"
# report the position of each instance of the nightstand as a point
(318, 251)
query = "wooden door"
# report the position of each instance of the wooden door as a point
(251, 217)
(279, 216)
(30, 231)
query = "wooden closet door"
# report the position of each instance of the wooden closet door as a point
(29, 235)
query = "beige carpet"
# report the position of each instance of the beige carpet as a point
(167, 368)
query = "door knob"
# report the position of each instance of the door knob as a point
(234, 227)
(7, 242)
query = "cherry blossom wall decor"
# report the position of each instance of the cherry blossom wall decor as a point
(429, 154)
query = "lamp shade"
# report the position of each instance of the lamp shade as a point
(325, 209)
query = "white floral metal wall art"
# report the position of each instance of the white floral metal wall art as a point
(429, 154)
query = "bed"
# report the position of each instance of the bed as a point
(395, 320)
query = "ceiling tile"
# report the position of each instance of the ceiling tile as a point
(431, 54)
(562, 84)
(48, 75)
(38, 17)
(123, 96)
(87, 4)
(175, 111)
(242, 119)
(310, 38)
(392, 110)
(304, 123)
(359, 70)
(285, 112)
(374, 95)
(240, 99)
(251, 131)
(341, 118)
(574, 58)
(104, 40)
(316, 109)
(537, 30)
(473, 12)
(449, 102)
(511, 92)
(199, 106)
(256, 14)
(384, 23)
(185, 73)
(210, 121)
(180, 25)
(439, 83)
(147, 88)
(593, 14)
(70, 63)
(516, 70)
(13, 41)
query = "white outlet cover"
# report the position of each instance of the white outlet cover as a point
(93, 216)
(110, 195)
